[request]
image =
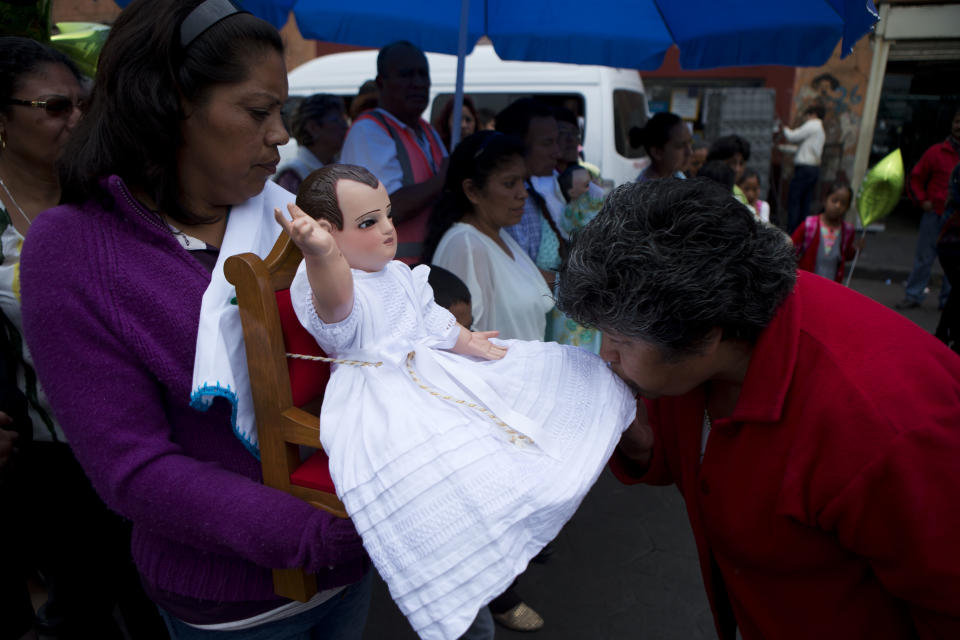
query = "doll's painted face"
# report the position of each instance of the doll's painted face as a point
(368, 239)
(579, 184)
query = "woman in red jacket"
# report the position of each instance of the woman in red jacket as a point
(813, 432)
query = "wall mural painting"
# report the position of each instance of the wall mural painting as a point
(840, 85)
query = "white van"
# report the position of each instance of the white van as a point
(611, 101)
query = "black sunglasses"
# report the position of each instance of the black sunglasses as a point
(54, 106)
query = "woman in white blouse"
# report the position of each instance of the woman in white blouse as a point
(484, 192)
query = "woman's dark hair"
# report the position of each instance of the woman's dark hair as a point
(563, 114)
(656, 133)
(720, 172)
(144, 76)
(747, 174)
(442, 120)
(317, 194)
(475, 158)
(515, 118)
(816, 109)
(21, 58)
(838, 185)
(310, 109)
(728, 146)
(668, 261)
(448, 289)
(485, 117)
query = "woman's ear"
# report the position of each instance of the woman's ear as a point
(470, 190)
(656, 154)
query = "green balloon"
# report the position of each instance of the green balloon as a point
(81, 41)
(880, 190)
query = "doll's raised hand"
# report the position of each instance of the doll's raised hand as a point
(477, 343)
(311, 235)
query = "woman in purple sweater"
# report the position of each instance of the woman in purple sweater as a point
(184, 125)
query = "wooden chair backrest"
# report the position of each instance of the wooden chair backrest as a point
(282, 427)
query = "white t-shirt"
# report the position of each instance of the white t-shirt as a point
(811, 137)
(508, 294)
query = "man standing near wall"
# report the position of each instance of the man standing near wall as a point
(928, 188)
(806, 164)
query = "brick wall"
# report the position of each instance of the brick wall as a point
(103, 11)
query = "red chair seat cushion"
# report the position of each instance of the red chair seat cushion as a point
(314, 473)
(308, 378)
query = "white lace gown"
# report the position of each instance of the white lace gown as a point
(450, 504)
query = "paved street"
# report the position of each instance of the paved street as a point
(625, 566)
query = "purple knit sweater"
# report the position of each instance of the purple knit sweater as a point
(111, 303)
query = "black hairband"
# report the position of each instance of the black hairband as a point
(204, 16)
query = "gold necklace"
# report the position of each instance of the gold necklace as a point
(15, 203)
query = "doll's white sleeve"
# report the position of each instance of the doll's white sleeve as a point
(333, 338)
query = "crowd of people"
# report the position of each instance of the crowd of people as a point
(669, 328)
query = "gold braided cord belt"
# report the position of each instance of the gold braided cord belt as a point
(516, 437)
(352, 363)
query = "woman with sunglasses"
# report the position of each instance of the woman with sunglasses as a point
(43, 489)
(166, 176)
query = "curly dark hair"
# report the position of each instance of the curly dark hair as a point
(475, 158)
(668, 261)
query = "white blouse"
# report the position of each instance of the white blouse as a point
(508, 294)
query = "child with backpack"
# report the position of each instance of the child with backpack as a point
(825, 242)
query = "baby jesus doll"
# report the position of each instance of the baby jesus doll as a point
(581, 206)
(457, 457)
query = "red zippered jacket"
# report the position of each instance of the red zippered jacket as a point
(825, 505)
(930, 178)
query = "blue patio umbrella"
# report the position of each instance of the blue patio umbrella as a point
(632, 34)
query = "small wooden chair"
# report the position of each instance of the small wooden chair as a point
(287, 392)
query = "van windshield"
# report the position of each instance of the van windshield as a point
(629, 110)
